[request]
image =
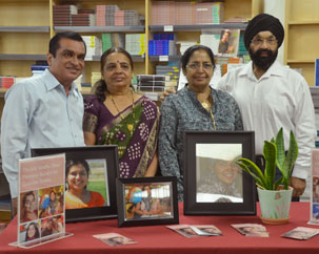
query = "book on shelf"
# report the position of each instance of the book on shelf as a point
(229, 42)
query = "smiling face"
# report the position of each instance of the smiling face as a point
(31, 231)
(199, 78)
(77, 178)
(68, 63)
(29, 204)
(117, 71)
(264, 55)
(226, 171)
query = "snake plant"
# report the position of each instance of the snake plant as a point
(275, 156)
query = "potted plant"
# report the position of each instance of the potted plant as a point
(274, 194)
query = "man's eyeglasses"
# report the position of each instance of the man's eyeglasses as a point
(196, 66)
(259, 42)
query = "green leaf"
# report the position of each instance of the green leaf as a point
(280, 149)
(252, 169)
(270, 154)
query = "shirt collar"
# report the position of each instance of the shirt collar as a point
(274, 70)
(51, 82)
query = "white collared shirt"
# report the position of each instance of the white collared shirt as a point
(280, 98)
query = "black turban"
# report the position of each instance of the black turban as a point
(264, 22)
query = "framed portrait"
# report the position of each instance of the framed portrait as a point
(213, 182)
(90, 174)
(147, 201)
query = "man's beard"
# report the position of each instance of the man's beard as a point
(261, 62)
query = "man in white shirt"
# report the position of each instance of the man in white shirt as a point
(44, 111)
(271, 96)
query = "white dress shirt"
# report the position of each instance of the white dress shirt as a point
(280, 98)
(38, 114)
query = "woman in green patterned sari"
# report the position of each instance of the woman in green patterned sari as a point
(117, 115)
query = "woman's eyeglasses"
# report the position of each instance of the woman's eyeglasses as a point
(259, 42)
(196, 66)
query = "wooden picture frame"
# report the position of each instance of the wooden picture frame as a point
(147, 201)
(104, 161)
(213, 183)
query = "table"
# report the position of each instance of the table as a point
(159, 239)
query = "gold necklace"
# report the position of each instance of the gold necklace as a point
(206, 106)
(130, 127)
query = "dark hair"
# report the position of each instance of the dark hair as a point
(52, 192)
(71, 163)
(100, 86)
(54, 44)
(190, 51)
(25, 197)
(37, 233)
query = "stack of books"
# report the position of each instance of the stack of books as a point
(172, 72)
(93, 46)
(187, 13)
(6, 81)
(131, 18)
(163, 44)
(151, 83)
(119, 18)
(38, 69)
(163, 13)
(135, 44)
(209, 13)
(105, 15)
(62, 14)
(224, 61)
(83, 19)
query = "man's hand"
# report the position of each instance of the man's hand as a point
(167, 92)
(299, 186)
(14, 206)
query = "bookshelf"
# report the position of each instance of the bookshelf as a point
(27, 26)
(301, 36)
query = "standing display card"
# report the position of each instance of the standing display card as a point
(41, 210)
(314, 202)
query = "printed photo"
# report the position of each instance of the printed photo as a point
(301, 233)
(51, 201)
(52, 225)
(86, 184)
(229, 42)
(315, 190)
(29, 206)
(218, 177)
(148, 201)
(29, 231)
(184, 230)
(206, 230)
(252, 230)
(114, 239)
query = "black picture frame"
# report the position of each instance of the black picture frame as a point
(198, 190)
(110, 155)
(130, 193)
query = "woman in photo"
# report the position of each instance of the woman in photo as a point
(76, 195)
(195, 107)
(116, 115)
(32, 232)
(29, 207)
(222, 178)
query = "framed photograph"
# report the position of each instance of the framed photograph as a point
(213, 182)
(90, 174)
(147, 201)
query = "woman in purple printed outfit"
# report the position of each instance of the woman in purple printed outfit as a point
(117, 115)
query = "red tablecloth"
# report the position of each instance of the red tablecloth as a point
(159, 239)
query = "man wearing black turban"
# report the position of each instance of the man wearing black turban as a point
(271, 96)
